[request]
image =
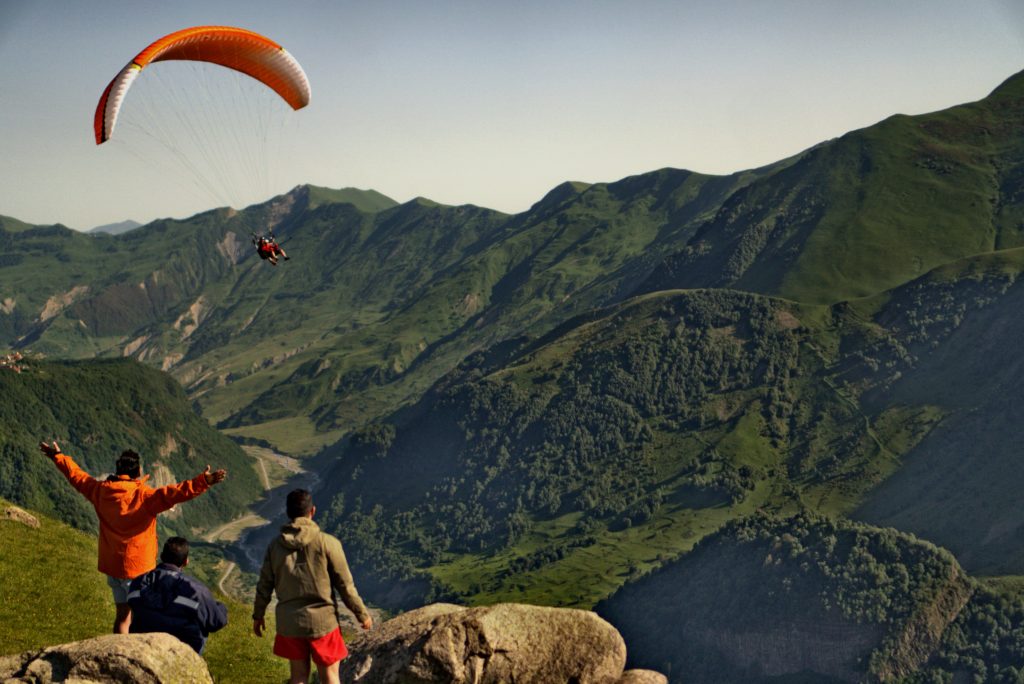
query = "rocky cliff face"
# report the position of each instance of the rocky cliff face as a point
(437, 643)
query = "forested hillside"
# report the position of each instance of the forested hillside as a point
(654, 421)
(552, 469)
(97, 409)
(818, 600)
(960, 486)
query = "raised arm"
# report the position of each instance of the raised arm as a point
(341, 579)
(163, 498)
(79, 479)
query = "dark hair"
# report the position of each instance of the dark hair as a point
(299, 503)
(128, 464)
(175, 551)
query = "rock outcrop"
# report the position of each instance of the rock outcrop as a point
(437, 643)
(642, 677)
(15, 514)
(501, 643)
(137, 658)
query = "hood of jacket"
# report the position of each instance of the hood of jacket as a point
(299, 533)
(157, 589)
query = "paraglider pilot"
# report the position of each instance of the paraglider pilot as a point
(268, 249)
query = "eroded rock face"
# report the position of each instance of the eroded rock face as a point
(15, 514)
(137, 658)
(501, 643)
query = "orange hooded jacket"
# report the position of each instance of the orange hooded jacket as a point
(127, 511)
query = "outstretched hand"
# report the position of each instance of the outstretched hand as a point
(367, 623)
(214, 477)
(49, 450)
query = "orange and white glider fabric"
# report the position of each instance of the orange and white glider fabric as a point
(235, 48)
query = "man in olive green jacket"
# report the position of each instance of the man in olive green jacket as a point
(303, 565)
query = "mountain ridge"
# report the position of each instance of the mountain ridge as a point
(935, 188)
(115, 228)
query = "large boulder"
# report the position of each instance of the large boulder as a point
(642, 677)
(113, 658)
(501, 643)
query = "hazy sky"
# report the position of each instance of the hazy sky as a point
(488, 102)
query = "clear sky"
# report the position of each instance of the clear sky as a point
(488, 102)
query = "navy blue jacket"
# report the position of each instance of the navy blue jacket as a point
(167, 600)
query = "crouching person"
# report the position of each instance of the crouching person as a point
(167, 600)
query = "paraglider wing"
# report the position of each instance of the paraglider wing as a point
(235, 48)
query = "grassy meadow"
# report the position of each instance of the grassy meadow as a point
(55, 595)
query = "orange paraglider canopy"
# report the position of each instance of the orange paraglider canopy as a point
(235, 48)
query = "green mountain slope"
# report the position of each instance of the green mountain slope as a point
(58, 596)
(960, 486)
(812, 600)
(870, 210)
(95, 410)
(13, 225)
(542, 469)
(381, 300)
(368, 201)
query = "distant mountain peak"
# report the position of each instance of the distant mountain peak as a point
(369, 201)
(1011, 87)
(562, 193)
(115, 228)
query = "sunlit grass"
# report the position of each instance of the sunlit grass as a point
(54, 594)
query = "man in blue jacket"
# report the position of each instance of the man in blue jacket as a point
(167, 600)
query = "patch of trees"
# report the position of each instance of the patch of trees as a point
(869, 575)
(984, 644)
(919, 318)
(551, 553)
(764, 575)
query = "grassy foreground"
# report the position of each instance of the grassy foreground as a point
(56, 595)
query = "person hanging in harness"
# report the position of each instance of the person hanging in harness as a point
(268, 249)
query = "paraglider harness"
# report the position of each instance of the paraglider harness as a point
(267, 248)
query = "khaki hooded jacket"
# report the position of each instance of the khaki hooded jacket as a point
(302, 565)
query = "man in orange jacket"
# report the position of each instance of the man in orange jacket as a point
(127, 508)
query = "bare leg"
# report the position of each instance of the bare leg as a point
(328, 673)
(123, 619)
(300, 671)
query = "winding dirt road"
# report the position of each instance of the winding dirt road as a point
(249, 534)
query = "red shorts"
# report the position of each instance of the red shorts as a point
(326, 650)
